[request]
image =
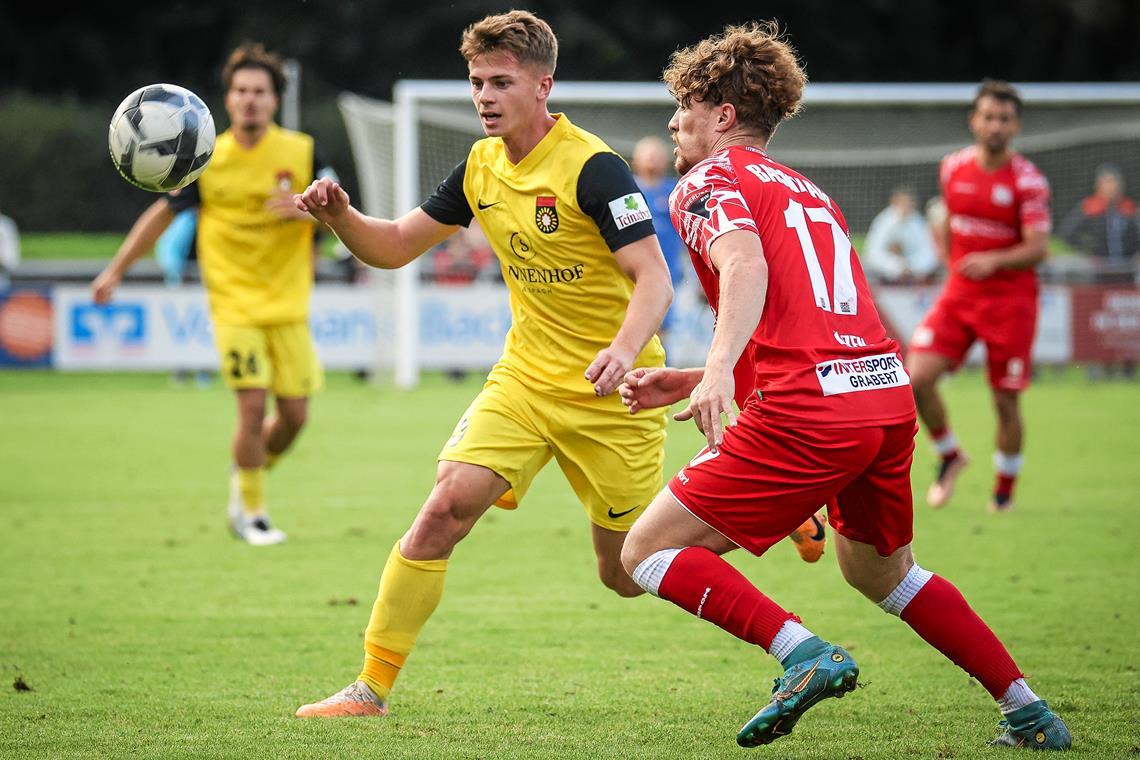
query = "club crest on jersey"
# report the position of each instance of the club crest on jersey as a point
(284, 180)
(1001, 195)
(545, 214)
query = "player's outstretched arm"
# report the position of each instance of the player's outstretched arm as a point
(739, 257)
(653, 387)
(143, 235)
(643, 262)
(383, 243)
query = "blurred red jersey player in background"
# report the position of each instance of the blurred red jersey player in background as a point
(998, 230)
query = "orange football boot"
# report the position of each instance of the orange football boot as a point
(811, 537)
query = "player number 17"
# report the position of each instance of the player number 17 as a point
(843, 298)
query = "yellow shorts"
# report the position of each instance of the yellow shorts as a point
(612, 459)
(281, 358)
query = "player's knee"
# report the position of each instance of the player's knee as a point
(438, 527)
(1008, 409)
(617, 579)
(921, 381)
(633, 552)
(294, 416)
(875, 578)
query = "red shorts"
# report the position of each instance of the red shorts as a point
(1006, 324)
(768, 478)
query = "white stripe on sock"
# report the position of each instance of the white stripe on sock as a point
(652, 569)
(1017, 696)
(1008, 464)
(946, 444)
(898, 599)
(790, 636)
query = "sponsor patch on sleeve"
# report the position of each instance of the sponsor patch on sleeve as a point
(867, 373)
(629, 209)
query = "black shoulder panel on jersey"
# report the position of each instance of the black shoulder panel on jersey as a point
(448, 204)
(604, 178)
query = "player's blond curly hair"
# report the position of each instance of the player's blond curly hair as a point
(751, 66)
(520, 34)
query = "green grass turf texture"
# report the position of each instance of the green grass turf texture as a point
(144, 630)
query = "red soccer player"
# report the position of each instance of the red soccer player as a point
(832, 419)
(998, 230)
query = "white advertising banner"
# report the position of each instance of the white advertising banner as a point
(904, 307)
(157, 328)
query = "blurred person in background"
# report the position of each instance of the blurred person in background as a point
(900, 247)
(997, 228)
(1104, 225)
(9, 248)
(650, 164)
(255, 252)
(173, 251)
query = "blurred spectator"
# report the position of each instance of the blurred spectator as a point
(175, 247)
(174, 250)
(1104, 224)
(9, 248)
(900, 247)
(650, 164)
(464, 258)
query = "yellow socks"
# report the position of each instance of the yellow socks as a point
(409, 592)
(271, 459)
(251, 486)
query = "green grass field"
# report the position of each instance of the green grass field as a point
(143, 630)
(76, 245)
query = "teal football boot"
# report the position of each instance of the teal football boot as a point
(1034, 726)
(831, 674)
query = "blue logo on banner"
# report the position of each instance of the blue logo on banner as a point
(122, 323)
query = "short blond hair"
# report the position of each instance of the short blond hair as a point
(520, 34)
(751, 66)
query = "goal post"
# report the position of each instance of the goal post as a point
(856, 141)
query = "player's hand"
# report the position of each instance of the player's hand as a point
(104, 286)
(652, 387)
(709, 402)
(977, 265)
(282, 206)
(609, 367)
(324, 199)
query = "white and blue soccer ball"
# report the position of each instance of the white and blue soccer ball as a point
(161, 137)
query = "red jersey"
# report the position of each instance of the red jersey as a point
(820, 352)
(988, 211)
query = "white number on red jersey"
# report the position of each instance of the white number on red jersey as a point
(843, 298)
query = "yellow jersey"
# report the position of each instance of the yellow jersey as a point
(554, 220)
(257, 268)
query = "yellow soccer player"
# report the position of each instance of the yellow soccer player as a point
(588, 287)
(255, 252)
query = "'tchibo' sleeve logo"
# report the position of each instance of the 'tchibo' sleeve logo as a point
(545, 214)
(629, 209)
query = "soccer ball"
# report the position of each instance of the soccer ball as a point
(161, 137)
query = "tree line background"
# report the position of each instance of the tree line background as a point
(62, 74)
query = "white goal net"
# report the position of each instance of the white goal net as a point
(858, 142)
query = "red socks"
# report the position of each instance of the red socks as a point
(701, 583)
(940, 615)
(1003, 488)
